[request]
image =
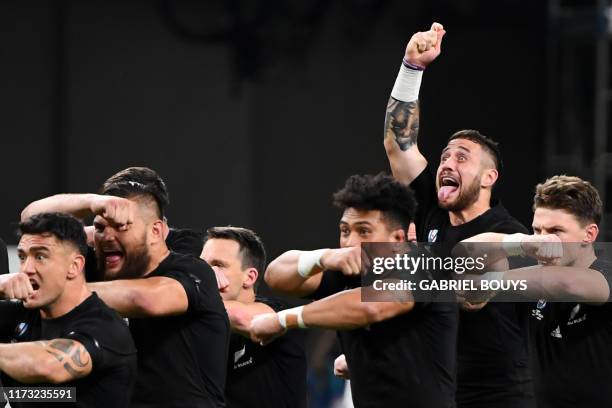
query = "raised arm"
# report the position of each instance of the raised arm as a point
(341, 311)
(151, 297)
(118, 211)
(298, 273)
(402, 116)
(52, 361)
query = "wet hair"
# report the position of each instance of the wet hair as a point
(252, 250)
(380, 192)
(488, 145)
(572, 194)
(64, 227)
(138, 182)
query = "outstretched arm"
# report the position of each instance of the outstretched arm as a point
(53, 361)
(341, 311)
(150, 297)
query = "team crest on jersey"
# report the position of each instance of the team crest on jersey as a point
(432, 236)
(541, 304)
(21, 329)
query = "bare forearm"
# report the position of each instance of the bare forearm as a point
(54, 361)
(151, 297)
(78, 205)
(400, 140)
(282, 275)
(240, 314)
(561, 283)
(345, 311)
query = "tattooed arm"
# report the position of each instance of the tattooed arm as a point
(54, 361)
(402, 116)
(401, 131)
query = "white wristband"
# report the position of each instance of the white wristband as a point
(407, 84)
(291, 317)
(512, 244)
(308, 260)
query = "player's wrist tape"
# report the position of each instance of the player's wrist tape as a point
(407, 84)
(308, 260)
(291, 318)
(512, 244)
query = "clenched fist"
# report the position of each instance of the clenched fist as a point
(15, 286)
(424, 47)
(546, 248)
(119, 212)
(346, 260)
(265, 328)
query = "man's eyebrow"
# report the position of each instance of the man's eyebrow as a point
(38, 248)
(458, 147)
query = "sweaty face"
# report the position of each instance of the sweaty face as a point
(121, 254)
(224, 255)
(458, 178)
(46, 261)
(357, 226)
(564, 225)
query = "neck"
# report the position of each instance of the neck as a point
(70, 298)
(157, 254)
(586, 258)
(482, 205)
(246, 296)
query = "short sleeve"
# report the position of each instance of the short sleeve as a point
(424, 188)
(92, 346)
(200, 285)
(331, 282)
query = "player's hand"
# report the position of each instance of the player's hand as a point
(119, 212)
(346, 260)
(265, 328)
(424, 47)
(15, 286)
(546, 248)
(341, 368)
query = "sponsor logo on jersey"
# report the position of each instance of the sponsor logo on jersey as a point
(432, 236)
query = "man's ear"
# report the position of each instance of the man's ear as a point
(76, 267)
(159, 231)
(590, 233)
(488, 178)
(398, 235)
(250, 277)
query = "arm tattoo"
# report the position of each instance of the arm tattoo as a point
(402, 122)
(76, 357)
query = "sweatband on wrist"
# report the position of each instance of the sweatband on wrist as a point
(291, 318)
(308, 260)
(512, 244)
(407, 84)
(493, 276)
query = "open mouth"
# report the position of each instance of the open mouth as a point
(448, 185)
(112, 258)
(34, 284)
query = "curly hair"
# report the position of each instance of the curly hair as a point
(380, 192)
(572, 194)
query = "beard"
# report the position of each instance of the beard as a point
(466, 198)
(135, 263)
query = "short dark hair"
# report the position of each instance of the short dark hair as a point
(488, 145)
(252, 249)
(64, 227)
(572, 194)
(138, 181)
(380, 192)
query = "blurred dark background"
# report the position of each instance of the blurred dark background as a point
(255, 112)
